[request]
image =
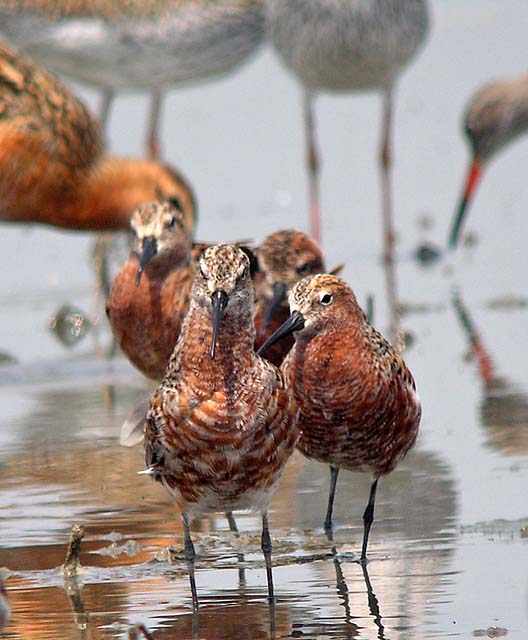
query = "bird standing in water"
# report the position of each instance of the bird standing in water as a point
(358, 401)
(145, 45)
(496, 115)
(222, 424)
(348, 45)
(52, 167)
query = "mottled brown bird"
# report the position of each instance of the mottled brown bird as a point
(52, 166)
(222, 424)
(284, 258)
(150, 294)
(496, 116)
(147, 315)
(358, 401)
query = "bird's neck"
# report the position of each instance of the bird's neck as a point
(109, 193)
(234, 353)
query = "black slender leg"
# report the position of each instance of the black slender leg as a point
(368, 519)
(234, 529)
(373, 604)
(190, 555)
(231, 521)
(334, 472)
(266, 550)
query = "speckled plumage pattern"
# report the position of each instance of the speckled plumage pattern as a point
(358, 400)
(343, 45)
(219, 431)
(52, 168)
(147, 318)
(285, 257)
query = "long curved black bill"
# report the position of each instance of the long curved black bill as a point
(278, 295)
(219, 301)
(149, 249)
(294, 323)
(472, 179)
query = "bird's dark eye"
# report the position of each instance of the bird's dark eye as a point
(303, 269)
(326, 299)
(175, 201)
(253, 262)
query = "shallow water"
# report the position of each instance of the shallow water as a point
(449, 543)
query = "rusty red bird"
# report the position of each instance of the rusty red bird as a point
(222, 424)
(52, 166)
(358, 401)
(284, 258)
(150, 294)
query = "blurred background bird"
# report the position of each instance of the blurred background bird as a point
(348, 45)
(497, 115)
(135, 45)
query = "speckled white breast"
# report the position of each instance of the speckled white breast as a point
(183, 45)
(342, 45)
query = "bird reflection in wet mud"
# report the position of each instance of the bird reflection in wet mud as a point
(138, 631)
(244, 618)
(503, 408)
(69, 325)
(418, 508)
(343, 594)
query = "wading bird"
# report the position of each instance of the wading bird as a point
(358, 401)
(222, 424)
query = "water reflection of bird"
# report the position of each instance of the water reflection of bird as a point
(222, 424)
(138, 45)
(417, 513)
(496, 115)
(504, 408)
(138, 631)
(358, 400)
(244, 617)
(348, 45)
(52, 167)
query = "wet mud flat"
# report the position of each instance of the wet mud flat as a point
(61, 464)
